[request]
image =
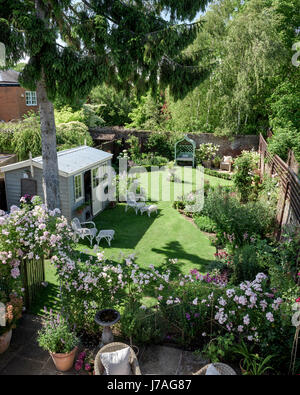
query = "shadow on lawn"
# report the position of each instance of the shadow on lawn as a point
(46, 297)
(129, 228)
(174, 250)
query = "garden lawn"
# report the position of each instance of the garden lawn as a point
(155, 240)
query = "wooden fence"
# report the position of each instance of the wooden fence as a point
(288, 209)
(33, 274)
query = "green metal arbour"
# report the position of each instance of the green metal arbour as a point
(185, 150)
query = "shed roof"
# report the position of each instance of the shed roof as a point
(10, 77)
(71, 161)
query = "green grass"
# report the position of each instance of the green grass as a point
(155, 240)
(48, 295)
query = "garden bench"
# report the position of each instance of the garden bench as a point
(226, 163)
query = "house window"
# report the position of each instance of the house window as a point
(95, 178)
(31, 98)
(78, 187)
(104, 171)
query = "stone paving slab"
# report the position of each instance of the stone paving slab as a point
(25, 357)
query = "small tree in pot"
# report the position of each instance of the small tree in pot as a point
(57, 338)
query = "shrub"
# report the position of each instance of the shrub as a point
(205, 223)
(21, 137)
(244, 166)
(144, 325)
(66, 114)
(72, 134)
(163, 143)
(215, 173)
(206, 152)
(151, 160)
(246, 264)
(90, 115)
(284, 139)
(236, 222)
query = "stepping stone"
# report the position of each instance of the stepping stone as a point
(160, 360)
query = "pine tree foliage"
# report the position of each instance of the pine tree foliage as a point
(123, 43)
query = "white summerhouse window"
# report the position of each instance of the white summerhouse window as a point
(78, 187)
(31, 98)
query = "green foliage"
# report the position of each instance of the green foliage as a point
(246, 264)
(244, 165)
(66, 114)
(149, 113)
(206, 152)
(24, 136)
(284, 139)
(219, 349)
(253, 364)
(145, 326)
(163, 143)
(235, 220)
(56, 336)
(215, 173)
(90, 115)
(114, 106)
(204, 223)
(134, 147)
(21, 137)
(72, 134)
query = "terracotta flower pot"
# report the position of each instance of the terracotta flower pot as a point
(5, 341)
(64, 362)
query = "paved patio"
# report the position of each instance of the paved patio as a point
(25, 357)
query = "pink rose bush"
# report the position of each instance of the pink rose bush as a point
(30, 232)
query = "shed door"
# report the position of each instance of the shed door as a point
(96, 191)
(28, 186)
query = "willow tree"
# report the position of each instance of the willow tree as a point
(124, 43)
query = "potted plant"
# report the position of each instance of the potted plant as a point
(216, 162)
(10, 312)
(205, 153)
(57, 338)
(80, 209)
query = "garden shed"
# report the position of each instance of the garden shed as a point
(83, 181)
(185, 150)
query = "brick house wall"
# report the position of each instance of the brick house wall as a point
(13, 103)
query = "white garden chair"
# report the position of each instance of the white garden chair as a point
(108, 235)
(83, 232)
(131, 202)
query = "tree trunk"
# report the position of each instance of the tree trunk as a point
(48, 132)
(49, 152)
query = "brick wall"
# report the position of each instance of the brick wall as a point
(232, 147)
(13, 103)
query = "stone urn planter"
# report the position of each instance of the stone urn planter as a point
(106, 318)
(64, 362)
(5, 341)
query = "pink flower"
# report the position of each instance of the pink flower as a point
(270, 317)
(78, 365)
